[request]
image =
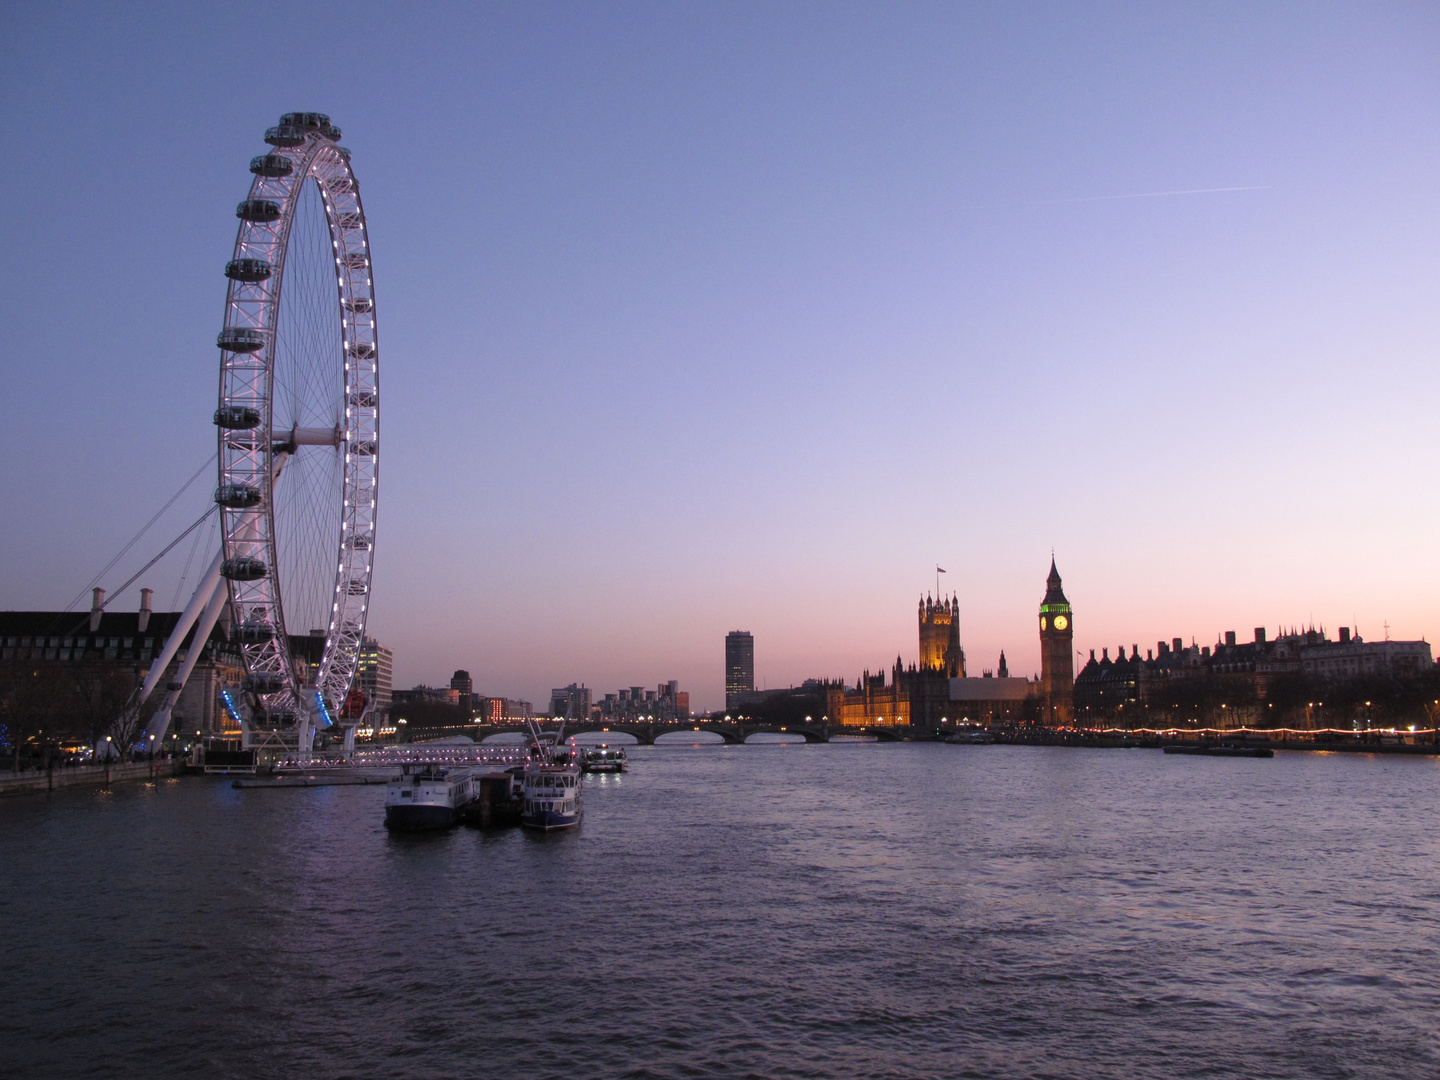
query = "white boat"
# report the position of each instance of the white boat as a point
(553, 796)
(551, 785)
(428, 797)
(603, 759)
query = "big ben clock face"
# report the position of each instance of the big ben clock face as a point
(1042, 622)
(1061, 622)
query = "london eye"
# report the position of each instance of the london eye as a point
(298, 422)
(298, 431)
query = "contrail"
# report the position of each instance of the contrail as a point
(1158, 194)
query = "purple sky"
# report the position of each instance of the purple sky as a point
(705, 317)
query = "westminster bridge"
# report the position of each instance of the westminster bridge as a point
(645, 732)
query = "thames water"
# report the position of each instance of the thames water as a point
(866, 910)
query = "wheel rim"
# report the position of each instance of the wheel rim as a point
(297, 485)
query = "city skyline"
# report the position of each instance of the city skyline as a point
(749, 316)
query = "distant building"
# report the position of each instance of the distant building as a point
(1312, 653)
(917, 695)
(464, 689)
(374, 675)
(1234, 684)
(502, 710)
(119, 646)
(991, 700)
(666, 702)
(1057, 661)
(739, 666)
(940, 637)
(872, 703)
(442, 695)
(571, 701)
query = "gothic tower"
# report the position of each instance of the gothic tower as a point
(940, 637)
(1057, 658)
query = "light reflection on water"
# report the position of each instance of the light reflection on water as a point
(781, 910)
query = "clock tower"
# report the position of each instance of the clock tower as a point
(1057, 656)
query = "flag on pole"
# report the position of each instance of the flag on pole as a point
(939, 570)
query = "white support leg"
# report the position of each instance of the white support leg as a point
(160, 722)
(204, 594)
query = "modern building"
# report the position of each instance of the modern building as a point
(739, 667)
(464, 689)
(374, 678)
(502, 710)
(666, 702)
(571, 701)
(1057, 661)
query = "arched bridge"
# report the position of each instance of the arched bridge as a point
(735, 732)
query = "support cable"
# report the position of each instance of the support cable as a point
(136, 539)
(168, 548)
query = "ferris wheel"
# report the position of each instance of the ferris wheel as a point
(298, 421)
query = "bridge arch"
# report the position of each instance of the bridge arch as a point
(809, 734)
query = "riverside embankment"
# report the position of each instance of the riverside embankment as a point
(38, 780)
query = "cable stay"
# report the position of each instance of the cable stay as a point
(209, 463)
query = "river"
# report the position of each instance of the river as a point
(870, 910)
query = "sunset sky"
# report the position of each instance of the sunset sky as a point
(697, 318)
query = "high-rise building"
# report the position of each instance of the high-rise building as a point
(1057, 658)
(464, 690)
(373, 675)
(571, 702)
(666, 702)
(739, 666)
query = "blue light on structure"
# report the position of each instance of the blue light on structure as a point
(230, 705)
(323, 711)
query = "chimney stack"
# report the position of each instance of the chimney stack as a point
(145, 595)
(97, 608)
(1344, 635)
(1229, 637)
(1178, 645)
(1259, 635)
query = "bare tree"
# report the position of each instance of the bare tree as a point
(28, 705)
(100, 695)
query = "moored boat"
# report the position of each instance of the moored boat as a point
(551, 785)
(603, 759)
(1222, 750)
(428, 797)
(970, 737)
(553, 796)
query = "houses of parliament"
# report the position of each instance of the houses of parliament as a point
(937, 689)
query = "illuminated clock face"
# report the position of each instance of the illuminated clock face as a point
(1042, 622)
(1061, 622)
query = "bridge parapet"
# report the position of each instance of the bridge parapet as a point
(733, 732)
